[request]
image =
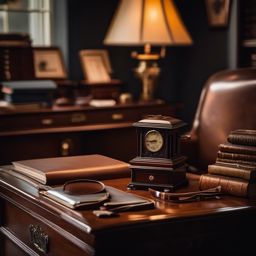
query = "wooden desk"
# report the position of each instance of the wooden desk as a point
(64, 131)
(213, 227)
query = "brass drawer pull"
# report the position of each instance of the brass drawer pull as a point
(66, 147)
(151, 177)
(78, 118)
(117, 116)
(38, 237)
(47, 121)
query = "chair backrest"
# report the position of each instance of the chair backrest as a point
(227, 102)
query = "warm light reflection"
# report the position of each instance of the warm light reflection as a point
(226, 85)
(153, 14)
(137, 216)
(159, 217)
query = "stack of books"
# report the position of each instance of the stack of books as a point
(235, 166)
(73, 181)
(19, 93)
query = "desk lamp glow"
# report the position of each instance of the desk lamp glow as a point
(147, 23)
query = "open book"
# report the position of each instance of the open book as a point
(57, 170)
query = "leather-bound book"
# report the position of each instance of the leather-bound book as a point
(229, 185)
(234, 161)
(243, 137)
(236, 156)
(57, 170)
(239, 171)
(238, 149)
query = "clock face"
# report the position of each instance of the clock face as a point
(153, 141)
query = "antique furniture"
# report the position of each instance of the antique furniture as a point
(16, 57)
(73, 130)
(227, 103)
(158, 163)
(33, 225)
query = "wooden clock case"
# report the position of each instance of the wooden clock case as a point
(166, 168)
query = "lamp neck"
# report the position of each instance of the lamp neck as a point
(147, 55)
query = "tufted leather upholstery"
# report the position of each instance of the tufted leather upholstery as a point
(227, 102)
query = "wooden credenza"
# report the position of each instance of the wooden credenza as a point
(74, 130)
(33, 225)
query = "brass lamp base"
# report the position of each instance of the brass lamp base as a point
(148, 71)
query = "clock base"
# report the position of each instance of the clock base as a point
(144, 177)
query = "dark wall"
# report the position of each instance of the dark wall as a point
(184, 70)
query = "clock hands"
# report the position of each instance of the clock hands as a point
(154, 141)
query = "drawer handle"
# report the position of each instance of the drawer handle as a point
(117, 116)
(78, 118)
(151, 177)
(47, 121)
(38, 237)
(66, 146)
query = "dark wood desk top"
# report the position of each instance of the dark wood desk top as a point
(185, 227)
(164, 211)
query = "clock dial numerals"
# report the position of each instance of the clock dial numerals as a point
(153, 141)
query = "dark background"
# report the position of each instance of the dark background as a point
(184, 70)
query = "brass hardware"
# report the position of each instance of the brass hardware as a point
(185, 137)
(151, 177)
(78, 118)
(66, 146)
(47, 121)
(39, 238)
(117, 117)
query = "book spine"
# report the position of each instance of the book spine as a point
(230, 186)
(238, 149)
(239, 139)
(234, 156)
(232, 172)
(241, 162)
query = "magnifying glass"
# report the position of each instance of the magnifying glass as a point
(83, 187)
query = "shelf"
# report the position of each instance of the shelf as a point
(249, 43)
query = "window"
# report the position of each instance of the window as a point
(29, 16)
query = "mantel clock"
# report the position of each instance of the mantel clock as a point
(159, 163)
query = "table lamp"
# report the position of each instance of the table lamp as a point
(147, 23)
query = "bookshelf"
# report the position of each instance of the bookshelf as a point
(247, 33)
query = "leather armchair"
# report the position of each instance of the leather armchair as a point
(227, 102)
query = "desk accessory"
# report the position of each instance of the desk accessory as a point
(105, 212)
(147, 23)
(212, 193)
(60, 169)
(89, 194)
(242, 137)
(49, 63)
(81, 193)
(159, 163)
(29, 92)
(235, 166)
(98, 74)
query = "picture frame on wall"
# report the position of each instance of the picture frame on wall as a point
(49, 63)
(96, 66)
(218, 12)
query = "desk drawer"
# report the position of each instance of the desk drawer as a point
(42, 120)
(70, 118)
(40, 235)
